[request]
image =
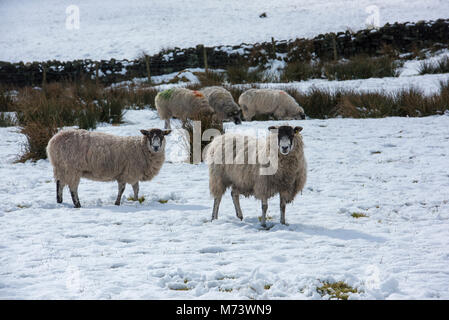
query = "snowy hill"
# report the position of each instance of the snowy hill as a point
(36, 30)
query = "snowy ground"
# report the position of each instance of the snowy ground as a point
(36, 30)
(394, 170)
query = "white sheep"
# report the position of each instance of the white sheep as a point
(288, 178)
(183, 104)
(223, 103)
(270, 102)
(76, 154)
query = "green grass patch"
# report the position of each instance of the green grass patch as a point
(141, 199)
(336, 290)
(162, 201)
(358, 215)
(267, 218)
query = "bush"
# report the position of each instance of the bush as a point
(207, 122)
(300, 70)
(210, 78)
(362, 67)
(319, 103)
(6, 100)
(244, 74)
(6, 120)
(37, 135)
(440, 66)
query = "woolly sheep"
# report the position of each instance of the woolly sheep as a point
(181, 103)
(243, 178)
(223, 103)
(270, 102)
(76, 154)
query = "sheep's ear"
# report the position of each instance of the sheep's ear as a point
(145, 132)
(272, 128)
(297, 129)
(166, 132)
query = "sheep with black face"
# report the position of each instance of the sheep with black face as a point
(246, 179)
(76, 154)
(223, 103)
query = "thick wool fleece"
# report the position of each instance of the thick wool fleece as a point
(256, 102)
(77, 154)
(182, 103)
(288, 180)
(222, 102)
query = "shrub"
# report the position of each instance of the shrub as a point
(6, 120)
(207, 122)
(37, 135)
(210, 78)
(300, 70)
(362, 67)
(6, 100)
(440, 66)
(244, 74)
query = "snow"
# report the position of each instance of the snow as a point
(36, 30)
(394, 170)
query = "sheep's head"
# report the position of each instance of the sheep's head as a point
(301, 115)
(234, 114)
(155, 139)
(285, 135)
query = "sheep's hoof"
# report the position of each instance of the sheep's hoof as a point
(117, 203)
(77, 206)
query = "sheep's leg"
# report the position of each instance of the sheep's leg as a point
(73, 186)
(264, 212)
(121, 189)
(235, 198)
(136, 191)
(282, 205)
(59, 189)
(216, 206)
(167, 124)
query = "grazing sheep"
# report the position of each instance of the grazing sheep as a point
(270, 102)
(223, 103)
(181, 103)
(245, 178)
(76, 154)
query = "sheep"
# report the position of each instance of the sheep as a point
(183, 104)
(287, 179)
(76, 154)
(223, 103)
(270, 102)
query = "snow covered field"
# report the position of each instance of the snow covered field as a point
(36, 30)
(394, 170)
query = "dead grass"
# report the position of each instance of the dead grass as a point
(336, 290)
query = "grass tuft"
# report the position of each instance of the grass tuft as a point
(358, 215)
(440, 66)
(336, 290)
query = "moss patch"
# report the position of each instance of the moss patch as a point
(141, 199)
(337, 290)
(359, 215)
(162, 201)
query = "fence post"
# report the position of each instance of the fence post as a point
(147, 63)
(334, 46)
(96, 75)
(206, 68)
(273, 44)
(44, 74)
